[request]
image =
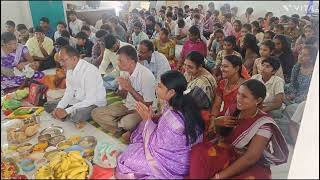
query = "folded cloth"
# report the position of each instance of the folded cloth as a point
(101, 173)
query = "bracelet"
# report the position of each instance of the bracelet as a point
(217, 176)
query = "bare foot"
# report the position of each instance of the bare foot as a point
(80, 125)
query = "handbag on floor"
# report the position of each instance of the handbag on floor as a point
(37, 93)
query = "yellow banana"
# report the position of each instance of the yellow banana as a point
(74, 152)
(76, 156)
(75, 164)
(63, 176)
(54, 162)
(65, 164)
(78, 170)
(80, 176)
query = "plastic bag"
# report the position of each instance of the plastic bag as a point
(21, 93)
(27, 71)
(105, 154)
(11, 104)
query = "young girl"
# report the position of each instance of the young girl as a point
(166, 46)
(257, 31)
(193, 43)
(267, 18)
(301, 75)
(308, 32)
(157, 29)
(229, 48)
(293, 30)
(250, 51)
(237, 30)
(246, 28)
(283, 51)
(268, 35)
(266, 49)
(215, 45)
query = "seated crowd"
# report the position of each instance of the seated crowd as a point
(205, 92)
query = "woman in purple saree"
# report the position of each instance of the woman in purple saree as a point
(160, 148)
(14, 55)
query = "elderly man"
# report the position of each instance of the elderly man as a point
(84, 90)
(137, 85)
(156, 62)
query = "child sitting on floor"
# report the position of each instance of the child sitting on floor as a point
(266, 49)
(58, 80)
(274, 85)
(84, 45)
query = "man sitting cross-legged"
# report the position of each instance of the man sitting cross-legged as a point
(84, 90)
(136, 84)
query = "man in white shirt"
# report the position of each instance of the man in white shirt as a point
(75, 24)
(84, 90)
(138, 35)
(170, 24)
(61, 26)
(112, 45)
(99, 22)
(137, 85)
(274, 85)
(156, 62)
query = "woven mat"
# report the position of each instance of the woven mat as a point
(112, 98)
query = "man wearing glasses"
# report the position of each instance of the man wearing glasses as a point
(84, 89)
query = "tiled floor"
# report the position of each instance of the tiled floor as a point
(278, 172)
(281, 171)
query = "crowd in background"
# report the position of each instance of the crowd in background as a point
(217, 51)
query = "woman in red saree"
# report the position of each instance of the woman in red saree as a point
(248, 142)
(233, 74)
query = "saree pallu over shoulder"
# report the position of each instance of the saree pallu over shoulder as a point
(157, 150)
(277, 151)
(212, 157)
(148, 130)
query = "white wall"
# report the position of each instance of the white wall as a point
(261, 7)
(77, 3)
(305, 160)
(17, 11)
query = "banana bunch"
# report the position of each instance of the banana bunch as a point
(44, 172)
(66, 166)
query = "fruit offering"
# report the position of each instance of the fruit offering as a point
(20, 176)
(8, 169)
(40, 147)
(75, 139)
(21, 131)
(64, 166)
(25, 112)
(44, 172)
(64, 145)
